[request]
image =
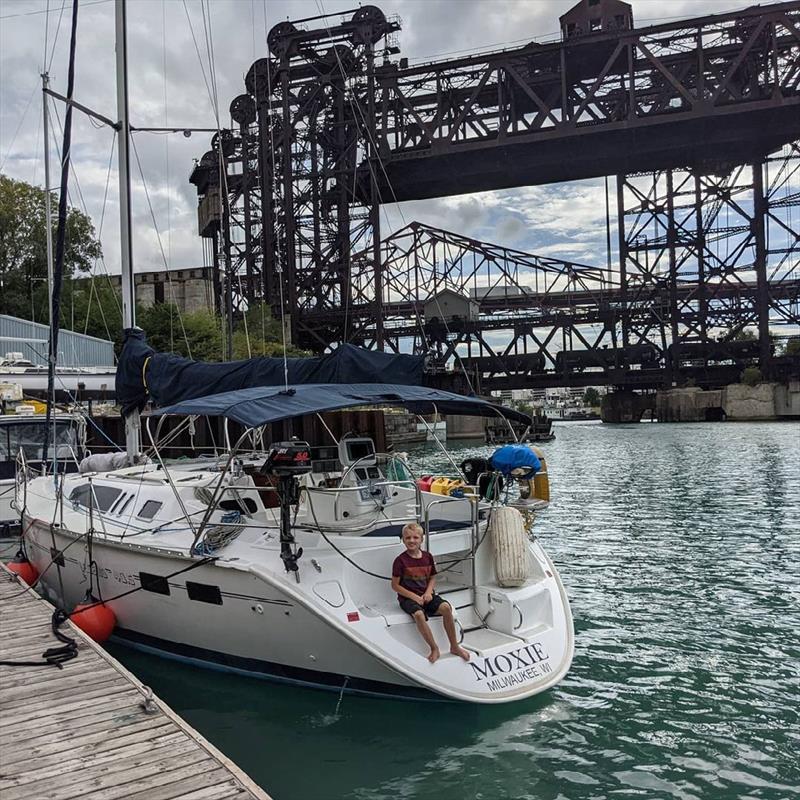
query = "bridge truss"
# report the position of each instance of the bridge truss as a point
(698, 120)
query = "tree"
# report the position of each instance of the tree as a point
(751, 376)
(525, 407)
(591, 397)
(789, 347)
(93, 306)
(257, 333)
(197, 334)
(23, 248)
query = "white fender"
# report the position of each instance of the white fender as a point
(510, 545)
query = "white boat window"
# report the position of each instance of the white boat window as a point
(103, 496)
(149, 509)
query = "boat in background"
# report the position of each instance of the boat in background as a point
(434, 429)
(540, 430)
(26, 433)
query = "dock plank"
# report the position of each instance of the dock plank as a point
(180, 783)
(52, 746)
(83, 732)
(114, 712)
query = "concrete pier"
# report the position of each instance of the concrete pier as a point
(91, 730)
(765, 401)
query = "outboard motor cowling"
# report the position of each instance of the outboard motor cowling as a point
(479, 472)
(516, 461)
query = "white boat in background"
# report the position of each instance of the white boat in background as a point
(27, 433)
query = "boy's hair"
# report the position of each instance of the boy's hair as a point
(412, 526)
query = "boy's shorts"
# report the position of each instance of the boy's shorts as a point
(429, 609)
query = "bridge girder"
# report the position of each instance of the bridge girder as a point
(326, 134)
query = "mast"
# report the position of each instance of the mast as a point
(61, 234)
(48, 214)
(132, 426)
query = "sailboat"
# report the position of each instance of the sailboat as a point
(275, 560)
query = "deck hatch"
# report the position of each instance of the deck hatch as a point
(149, 509)
(204, 592)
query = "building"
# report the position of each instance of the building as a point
(449, 305)
(29, 342)
(189, 289)
(596, 16)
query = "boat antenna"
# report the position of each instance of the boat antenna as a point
(61, 235)
(132, 422)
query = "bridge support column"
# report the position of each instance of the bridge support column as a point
(625, 406)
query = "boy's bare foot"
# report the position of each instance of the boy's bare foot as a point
(433, 656)
(460, 652)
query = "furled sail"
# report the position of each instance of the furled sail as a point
(168, 379)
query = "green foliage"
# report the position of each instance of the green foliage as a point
(264, 335)
(791, 347)
(525, 407)
(745, 335)
(752, 376)
(591, 397)
(169, 331)
(23, 248)
(94, 307)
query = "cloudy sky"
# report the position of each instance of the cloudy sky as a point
(168, 88)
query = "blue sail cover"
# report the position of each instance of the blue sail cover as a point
(259, 405)
(169, 379)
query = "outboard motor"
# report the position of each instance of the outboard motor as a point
(286, 461)
(479, 472)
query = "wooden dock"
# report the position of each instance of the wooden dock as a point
(92, 730)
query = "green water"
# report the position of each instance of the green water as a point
(680, 550)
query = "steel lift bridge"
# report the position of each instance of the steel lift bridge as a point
(698, 120)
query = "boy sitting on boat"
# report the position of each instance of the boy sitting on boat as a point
(414, 578)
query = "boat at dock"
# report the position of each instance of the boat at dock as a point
(281, 568)
(540, 430)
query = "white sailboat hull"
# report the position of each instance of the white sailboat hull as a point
(338, 627)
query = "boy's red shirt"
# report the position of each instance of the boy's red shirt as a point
(414, 573)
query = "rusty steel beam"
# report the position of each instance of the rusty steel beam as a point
(326, 134)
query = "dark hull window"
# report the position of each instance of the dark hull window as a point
(204, 592)
(244, 504)
(154, 583)
(149, 509)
